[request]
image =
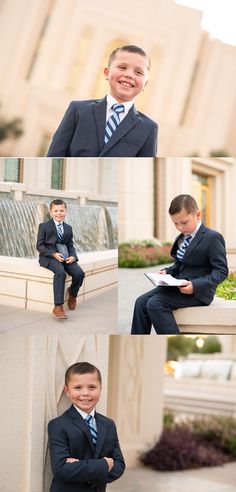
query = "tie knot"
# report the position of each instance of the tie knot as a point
(118, 108)
(88, 418)
(187, 238)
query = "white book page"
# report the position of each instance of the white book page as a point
(165, 280)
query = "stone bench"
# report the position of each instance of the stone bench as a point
(24, 284)
(218, 317)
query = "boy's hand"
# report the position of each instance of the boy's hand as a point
(162, 272)
(70, 260)
(187, 289)
(58, 257)
(71, 460)
(110, 462)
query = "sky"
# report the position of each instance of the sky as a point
(219, 17)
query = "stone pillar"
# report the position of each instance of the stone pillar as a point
(32, 378)
(135, 391)
(173, 177)
(136, 198)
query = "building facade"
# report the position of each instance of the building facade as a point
(63, 47)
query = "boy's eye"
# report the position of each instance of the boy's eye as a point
(139, 72)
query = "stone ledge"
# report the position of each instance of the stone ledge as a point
(23, 283)
(218, 317)
(200, 396)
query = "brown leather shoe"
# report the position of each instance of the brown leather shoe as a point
(59, 312)
(71, 300)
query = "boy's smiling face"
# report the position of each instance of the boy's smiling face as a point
(186, 222)
(127, 75)
(58, 212)
(84, 390)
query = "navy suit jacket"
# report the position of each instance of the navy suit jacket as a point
(47, 239)
(69, 436)
(204, 263)
(82, 129)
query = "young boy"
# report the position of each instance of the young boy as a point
(84, 447)
(53, 236)
(110, 127)
(200, 258)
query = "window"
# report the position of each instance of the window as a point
(57, 179)
(201, 192)
(13, 170)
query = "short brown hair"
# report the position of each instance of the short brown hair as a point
(58, 201)
(183, 201)
(82, 368)
(131, 48)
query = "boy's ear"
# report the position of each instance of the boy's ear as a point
(145, 85)
(106, 73)
(65, 389)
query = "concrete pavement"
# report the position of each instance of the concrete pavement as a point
(98, 315)
(209, 479)
(132, 283)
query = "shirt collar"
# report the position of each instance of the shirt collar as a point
(84, 414)
(193, 234)
(111, 100)
(57, 223)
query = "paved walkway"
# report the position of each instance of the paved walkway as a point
(97, 315)
(210, 479)
(132, 283)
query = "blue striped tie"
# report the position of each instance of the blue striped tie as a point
(59, 232)
(183, 247)
(90, 422)
(114, 121)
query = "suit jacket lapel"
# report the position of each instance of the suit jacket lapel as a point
(99, 109)
(131, 120)
(53, 229)
(195, 241)
(101, 434)
(80, 422)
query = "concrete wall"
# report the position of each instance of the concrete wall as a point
(85, 179)
(24, 284)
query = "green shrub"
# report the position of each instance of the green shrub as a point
(220, 431)
(136, 254)
(227, 288)
(181, 346)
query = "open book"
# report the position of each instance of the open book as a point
(165, 280)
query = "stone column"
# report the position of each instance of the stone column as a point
(135, 391)
(136, 198)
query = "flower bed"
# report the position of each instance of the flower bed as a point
(193, 444)
(136, 254)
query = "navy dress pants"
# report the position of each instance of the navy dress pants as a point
(156, 308)
(60, 270)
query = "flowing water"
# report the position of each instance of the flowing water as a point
(94, 227)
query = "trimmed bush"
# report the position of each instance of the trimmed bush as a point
(194, 443)
(227, 288)
(180, 449)
(137, 254)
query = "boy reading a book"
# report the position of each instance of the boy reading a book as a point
(57, 253)
(200, 259)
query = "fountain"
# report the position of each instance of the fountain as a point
(94, 227)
